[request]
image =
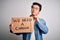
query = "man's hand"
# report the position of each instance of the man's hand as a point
(12, 31)
(10, 28)
(35, 18)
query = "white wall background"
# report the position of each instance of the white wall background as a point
(17, 8)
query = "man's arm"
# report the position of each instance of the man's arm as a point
(42, 26)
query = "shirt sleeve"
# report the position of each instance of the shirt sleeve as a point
(42, 26)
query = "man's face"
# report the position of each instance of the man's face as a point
(35, 10)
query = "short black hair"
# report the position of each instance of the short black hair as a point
(35, 3)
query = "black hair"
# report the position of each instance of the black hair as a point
(40, 6)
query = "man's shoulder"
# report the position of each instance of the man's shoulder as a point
(42, 20)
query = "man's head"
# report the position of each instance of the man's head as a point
(36, 8)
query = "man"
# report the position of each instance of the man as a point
(39, 24)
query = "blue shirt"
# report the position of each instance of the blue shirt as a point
(39, 29)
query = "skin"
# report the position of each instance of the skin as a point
(34, 12)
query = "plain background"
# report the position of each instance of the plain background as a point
(19, 8)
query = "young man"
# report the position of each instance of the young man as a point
(39, 24)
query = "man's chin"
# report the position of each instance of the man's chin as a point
(33, 15)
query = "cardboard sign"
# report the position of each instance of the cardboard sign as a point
(22, 24)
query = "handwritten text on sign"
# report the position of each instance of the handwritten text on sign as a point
(22, 24)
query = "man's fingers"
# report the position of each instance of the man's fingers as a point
(10, 26)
